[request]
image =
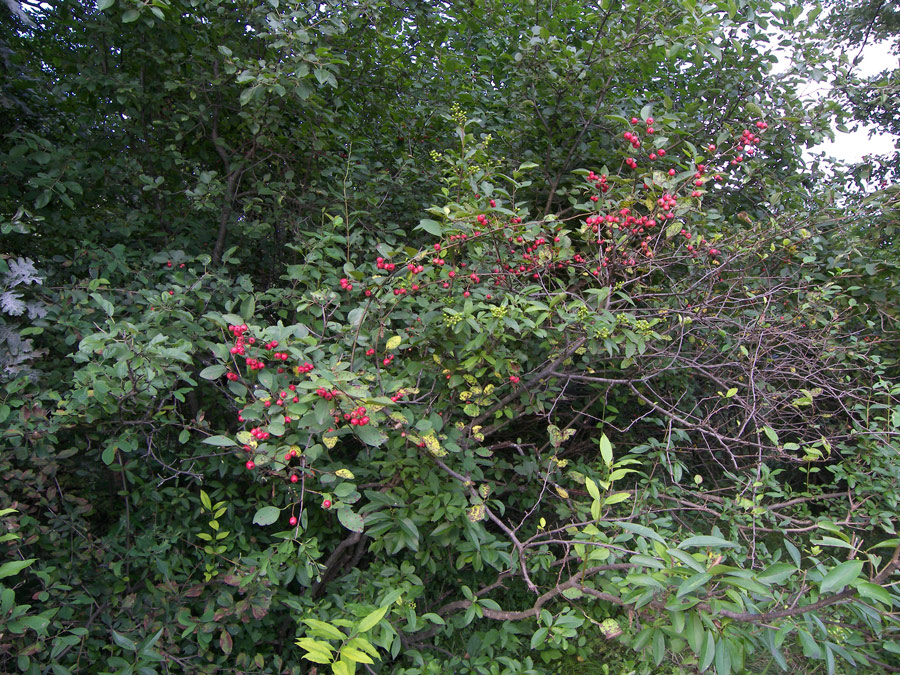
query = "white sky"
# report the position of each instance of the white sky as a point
(851, 147)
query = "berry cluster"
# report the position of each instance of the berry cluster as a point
(346, 285)
(239, 339)
(357, 417)
(327, 395)
(382, 264)
(259, 434)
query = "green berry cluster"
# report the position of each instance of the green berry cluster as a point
(451, 320)
(498, 312)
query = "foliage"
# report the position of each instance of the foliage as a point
(447, 337)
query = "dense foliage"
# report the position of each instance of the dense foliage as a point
(439, 337)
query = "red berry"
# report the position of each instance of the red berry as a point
(294, 478)
(292, 520)
(250, 465)
(326, 504)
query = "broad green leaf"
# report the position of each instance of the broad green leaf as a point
(874, 592)
(213, 372)
(592, 489)
(692, 583)
(355, 655)
(372, 619)
(430, 226)
(351, 520)
(840, 576)
(219, 441)
(642, 531)
(266, 515)
(606, 451)
(324, 630)
(14, 567)
(707, 540)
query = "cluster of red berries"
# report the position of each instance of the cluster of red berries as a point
(231, 377)
(259, 434)
(631, 162)
(382, 264)
(288, 456)
(305, 368)
(254, 364)
(346, 285)
(239, 340)
(387, 360)
(599, 181)
(327, 395)
(633, 139)
(514, 379)
(271, 345)
(357, 417)
(667, 202)
(414, 268)
(482, 219)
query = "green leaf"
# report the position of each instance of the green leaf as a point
(220, 441)
(776, 573)
(266, 515)
(430, 226)
(325, 630)
(213, 372)
(105, 4)
(874, 592)
(393, 342)
(692, 583)
(641, 531)
(606, 451)
(204, 499)
(124, 642)
(592, 489)
(14, 567)
(355, 655)
(372, 620)
(840, 576)
(109, 454)
(370, 435)
(130, 15)
(351, 520)
(539, 637)
(707, 540)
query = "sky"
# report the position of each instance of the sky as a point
(851, 147)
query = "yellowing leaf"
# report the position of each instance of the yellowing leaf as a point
(433, 445)
(393, 342)
(476, 513)
(344, 473)
(489, 389)
(329, 441)
(465, 395)
(399, 417)
(561, 492)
